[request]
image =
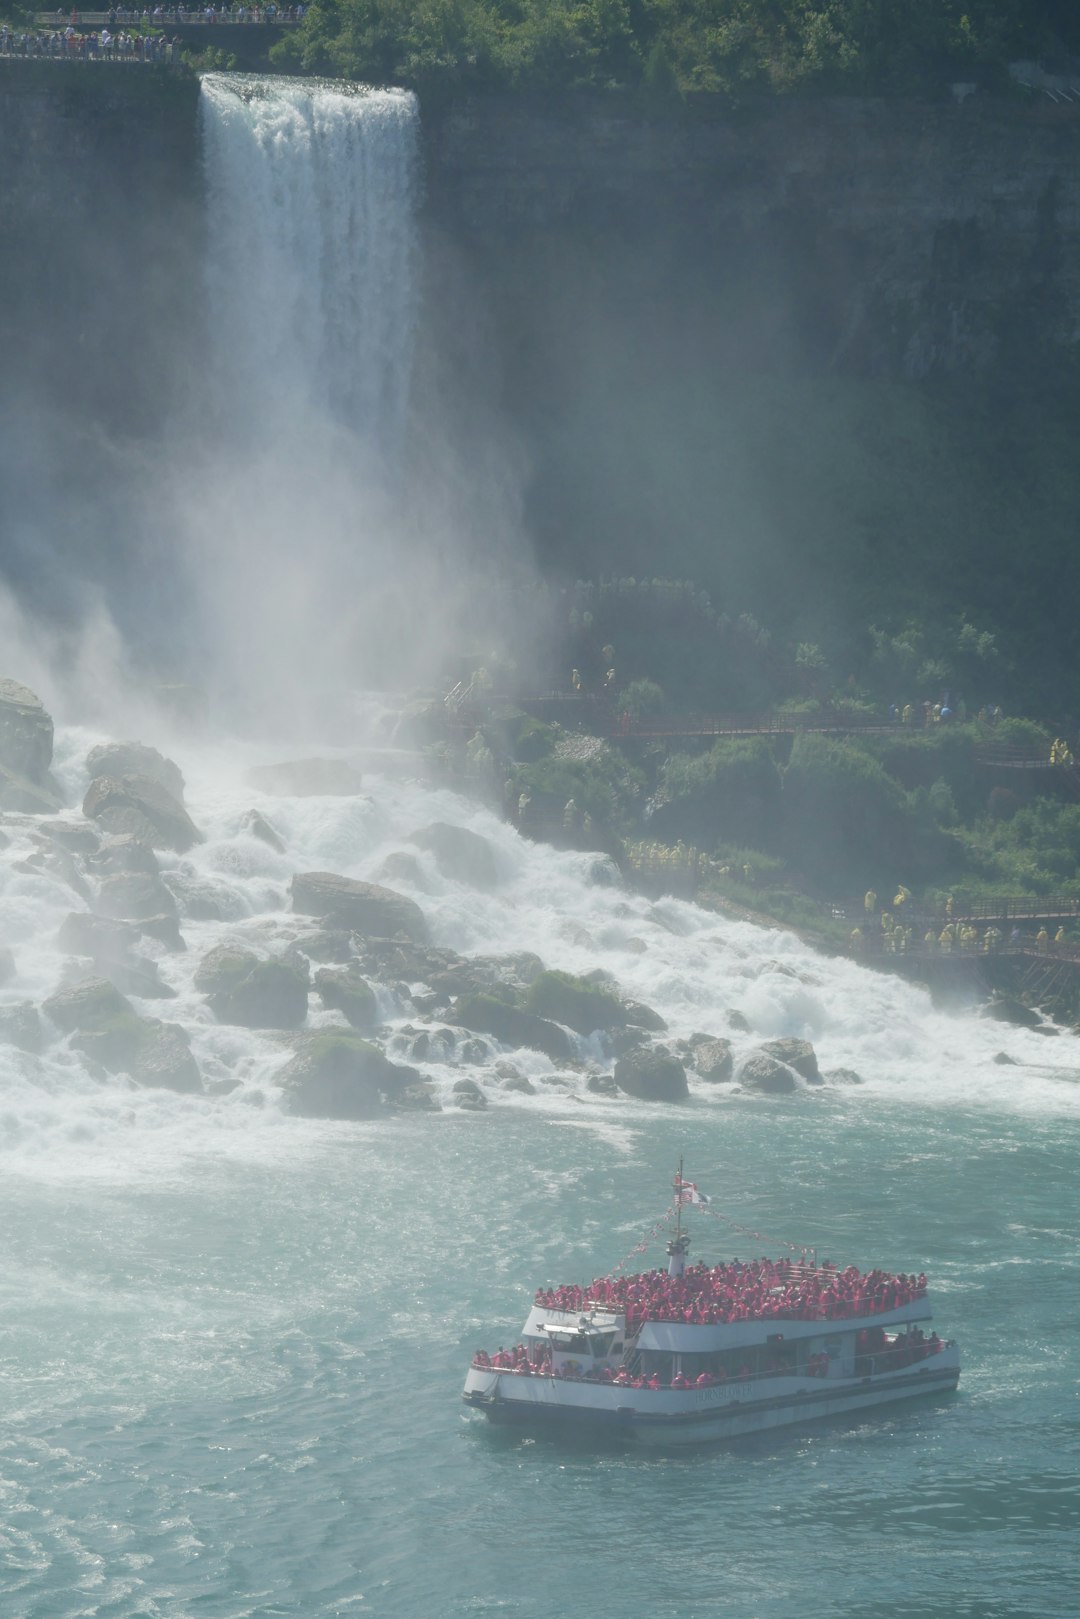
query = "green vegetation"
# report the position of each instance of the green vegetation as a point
(670, 48)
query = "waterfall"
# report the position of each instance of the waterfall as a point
(311, 254)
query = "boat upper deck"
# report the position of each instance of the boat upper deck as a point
(753, 1291)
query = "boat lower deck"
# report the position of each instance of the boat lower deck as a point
(675, 1417)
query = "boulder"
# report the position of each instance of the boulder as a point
(92, 1004)
(136, 759)
(468, 1095)
(580, 1006)
(640, 1016)
(463, 855)
(653, 1076)
(74, 836)
(257, 826)
(223, 967)
(797, 1054)
(1005, 1009)
(125, 853)
(163, 1059)
(273, 995)
(601, 1085)
(843, 1076)
(1003, 1060)
(26, 732)
(20, 1026)
(141, 806)
(343, 989)
(400, 867)
(28, 797)
(363, 907)
(108, 944)
(134, 896)
(765, 1074)
(714, 1061)
(307, 778)
(484, 1014)
(336, 1075)
(519, 1085)
(739, 1022)
(326, 944)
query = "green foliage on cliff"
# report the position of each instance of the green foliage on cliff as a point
(671, 47)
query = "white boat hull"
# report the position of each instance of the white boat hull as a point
(666, 1417)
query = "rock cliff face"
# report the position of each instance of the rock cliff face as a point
(884, 238)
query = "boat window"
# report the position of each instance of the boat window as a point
(574, 1343)
(602, 1343)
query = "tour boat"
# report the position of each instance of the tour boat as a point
(698, 1353)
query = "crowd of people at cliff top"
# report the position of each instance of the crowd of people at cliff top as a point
(758, 1290)
(69, 45)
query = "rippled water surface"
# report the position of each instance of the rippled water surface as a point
(233, 1342)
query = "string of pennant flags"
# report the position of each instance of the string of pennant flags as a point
(687, 1194)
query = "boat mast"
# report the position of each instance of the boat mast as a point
(680, 1242)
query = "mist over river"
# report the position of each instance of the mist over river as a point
(233, 1338)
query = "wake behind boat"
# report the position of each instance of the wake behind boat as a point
(700, 1352)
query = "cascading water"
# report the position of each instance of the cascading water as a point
(311, 271)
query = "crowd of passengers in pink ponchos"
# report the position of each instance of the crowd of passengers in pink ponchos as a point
(755, 1290)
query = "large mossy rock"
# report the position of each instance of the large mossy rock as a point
(92, 1004)
(142, 807)
(345, 989)
(653, 1076)
(223, 967)
(164, 1061)
(271, 995)
(485, 1014)
(26, 732)
(713, 1061)
(763, 1073)
(583, 1007)
(307, 778)
(463, 855)
(103, 1025)
(120, 759)
(363, 907)
(337, 1075)
(797, 1054)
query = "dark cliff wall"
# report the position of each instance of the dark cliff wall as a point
(100, 227)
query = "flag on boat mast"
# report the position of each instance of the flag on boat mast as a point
(687, 1192)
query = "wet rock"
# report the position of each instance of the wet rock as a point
(419, 1098)
(714, 1061)
(797, 1054)
(223, 968)
(653, 1076)
(125, 853)
(363, 907)
(468, 1095)
(640, 1016)
(635, 946)
(74, 836)
(28, 797)
(765, 1074)
(26, 732)
(518, 1085)
(474, 1052)
(132, 896)
(602, 1085)
(1005, 1009)
(843, 1076)
(344, 989)
(273, 995)
(136, 759)
(164, 1060)
(20, 1025)
(142, 807)
(326, 944)
(337, 1075)
(460, 854)
(739, 1023)
(580, 1006)
(257, 826)
(400, 867)
(93, 1003)
(484, 1014)
(307, 778)
(624, 1040)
